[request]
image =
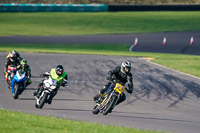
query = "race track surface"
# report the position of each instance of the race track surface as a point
(176, 42)
(163, 99)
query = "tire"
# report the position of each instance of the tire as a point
(36, 105)
(9, 81)
(95, 110)
(43, 100)
(16, 91)
(110, 105)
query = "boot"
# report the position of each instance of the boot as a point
(53, 93)
(102, 91)
(96, 97)
(28, 82)
(35, 93)
(50, 100)
(38, 92)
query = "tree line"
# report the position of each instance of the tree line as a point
(113, 2)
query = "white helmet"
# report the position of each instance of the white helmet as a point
(12, 57)
(126, 67)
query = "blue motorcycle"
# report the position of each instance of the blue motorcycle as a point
(18, 83)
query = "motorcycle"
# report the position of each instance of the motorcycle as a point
(10, 74)
(18, 83)
(48, 86)
(107, 102)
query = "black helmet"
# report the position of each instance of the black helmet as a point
(59, 70)
(126, 67)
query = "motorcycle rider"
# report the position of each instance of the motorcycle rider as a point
(11, 60)
(120, 74)
(25, 67)
(56, 74)
(18, 56)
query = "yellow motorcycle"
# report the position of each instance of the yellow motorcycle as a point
(107, 102)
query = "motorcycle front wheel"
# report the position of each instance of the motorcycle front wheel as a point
(95, 110)
(110, 105)
(16, 91)
(42, 101)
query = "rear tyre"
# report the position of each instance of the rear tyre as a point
(110, 105)
(9, 81)
(95, 110)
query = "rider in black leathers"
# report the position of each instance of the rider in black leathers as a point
(25, 67)
(120, 74)
(14, 52)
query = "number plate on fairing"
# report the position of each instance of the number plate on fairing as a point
(119, 88)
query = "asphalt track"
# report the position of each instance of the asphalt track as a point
(177, 42)
(163, 99)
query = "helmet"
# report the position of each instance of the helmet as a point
(23, 62)
(14, 52)
(12, 57)
(126, 67)
(59, 70)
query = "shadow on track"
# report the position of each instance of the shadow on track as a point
(164, 86)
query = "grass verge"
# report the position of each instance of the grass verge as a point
(18, 122)
(185, 63)
(54, 24)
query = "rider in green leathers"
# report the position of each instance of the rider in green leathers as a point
(56, 74)
(25, 67)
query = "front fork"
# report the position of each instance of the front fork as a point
(43, 92)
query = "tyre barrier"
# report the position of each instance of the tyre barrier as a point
(53, 7)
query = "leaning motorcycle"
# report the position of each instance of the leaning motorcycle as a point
(10, 74)
(18, 83)
(107, 102)
(48, 86)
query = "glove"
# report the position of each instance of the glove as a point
(109, 78)
(129, 91)
(42, 76)
(64, 83)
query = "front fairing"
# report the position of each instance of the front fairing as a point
(49, 83)
(19, 78)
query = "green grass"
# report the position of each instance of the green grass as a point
(185, 63)
(45, 24)
(18, 122)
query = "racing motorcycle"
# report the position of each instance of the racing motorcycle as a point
(10, 74)
(48, 86)
(106, 103)
(18, 83)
